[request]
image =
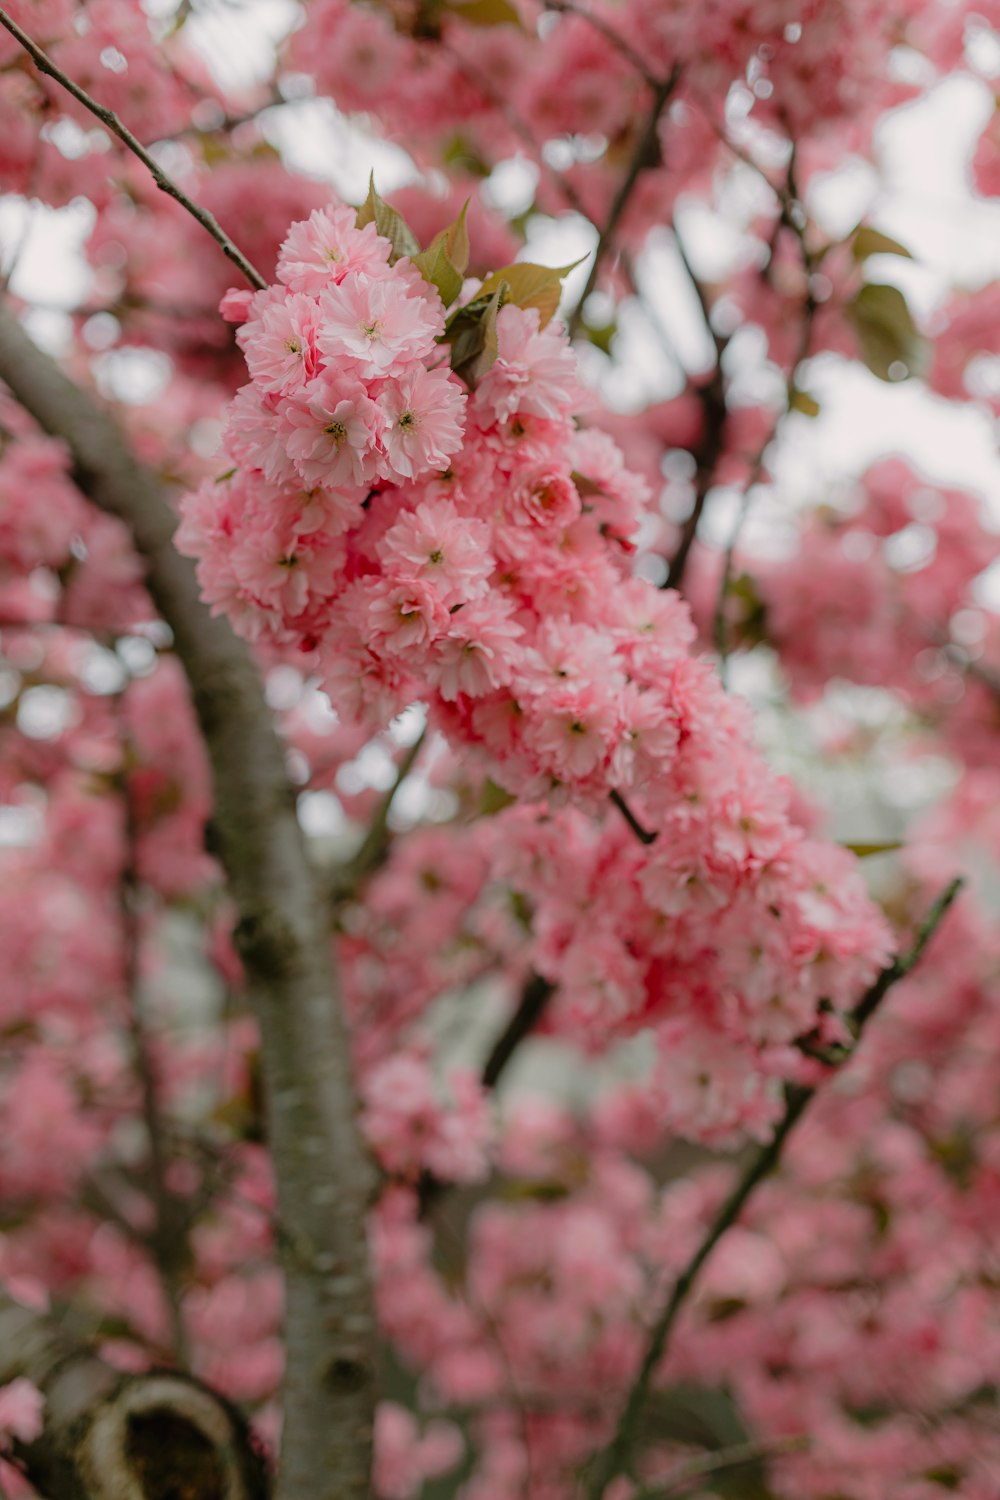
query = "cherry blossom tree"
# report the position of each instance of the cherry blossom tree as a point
(447, 1051)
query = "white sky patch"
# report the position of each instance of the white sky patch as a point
(238, 41)
(45, 248)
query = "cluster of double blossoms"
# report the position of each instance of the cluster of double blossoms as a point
(468, 544)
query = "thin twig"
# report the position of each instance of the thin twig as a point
(707, 453)
(646, 151)
(710, 446)
(701, 292)
(611, 1460)
(736, 1456)
(110, 120)
(644, 835)
(978, 670)
(375, 844)
(790, 217)
(535, 997)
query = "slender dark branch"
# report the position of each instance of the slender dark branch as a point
(535, 997)
(706, 456)
(612, 1459)
(375, 845)
(711, 445)
(980, 671)
(906, 962)
(756, 471)
(645, 154)
(644, 835)
(736, 1456)
(698, 286)
(110, 120)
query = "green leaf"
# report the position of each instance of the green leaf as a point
(891, 346)
(472, 333)
(803, 402)
(862, 851)
(708, 1419)
(389, 223)
(493, 799)
(446, 258)
(435, 267)
(867, 241)
(485, 12)
(531, 286)
(461, 153)
(520, 1190)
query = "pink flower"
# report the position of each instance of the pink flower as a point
(401, 617)
(280, 344)
(479, 651)
(381, 325)
(321, 250)
(410, 1129)
(542, 497)
(235, 305)
(444, 549)
(534, 371)
(332, 432)
(21, 1408)
(424, 411)
(256, 435)
(573, 730)
(404, 1458)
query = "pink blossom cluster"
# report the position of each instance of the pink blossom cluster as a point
(850, 1317)
(879, 585)
(412, 1132)
(472, 549)
(721, 941)
(401, 531)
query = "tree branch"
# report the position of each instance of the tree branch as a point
(644, 835)
(610, 1462)
(736, 1456)
(324, 1178)
(374, 849)
(535, 997)
(646, 151)
(110, 120)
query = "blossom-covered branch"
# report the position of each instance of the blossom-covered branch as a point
(610, 1462)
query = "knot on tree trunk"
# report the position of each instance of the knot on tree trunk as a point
(165, 1437)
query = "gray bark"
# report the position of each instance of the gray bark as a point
(323, 1175)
